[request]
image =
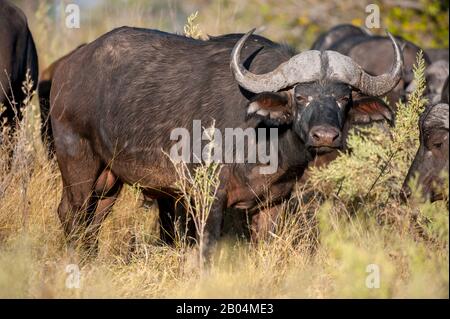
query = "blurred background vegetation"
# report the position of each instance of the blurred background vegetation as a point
(295, 22)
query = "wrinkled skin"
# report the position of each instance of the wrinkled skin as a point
(431, 159)
(44, 86)
(17, 55)
(115, 101)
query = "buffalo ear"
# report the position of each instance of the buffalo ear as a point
(369, 109)
(273, 108)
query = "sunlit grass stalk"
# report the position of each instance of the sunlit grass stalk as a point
(198, 187)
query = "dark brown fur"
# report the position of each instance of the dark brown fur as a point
(17, 55)
(44, 87)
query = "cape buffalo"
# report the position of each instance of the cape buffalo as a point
(372, 53)
(264, 222)
(437, 54)
(436, 75)
(115, 102)
(432, 157)
(44, 86)
(17, 55)
(336, 34)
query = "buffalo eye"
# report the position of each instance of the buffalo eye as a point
(435, 140)
(342, 101)
(302, 99)
(437, 145)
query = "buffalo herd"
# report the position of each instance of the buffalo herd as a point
(108, 109)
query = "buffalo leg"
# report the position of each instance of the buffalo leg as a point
(107, 189)
(174, 221)
(80, 168)
(267, 220)
(213, 225)
(263, 223)
(166, 206)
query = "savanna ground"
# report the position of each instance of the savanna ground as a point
(355, 222)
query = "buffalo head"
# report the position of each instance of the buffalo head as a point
(314, 92)
(432, 157)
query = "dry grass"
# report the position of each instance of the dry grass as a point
(33, 257)
(408, 243)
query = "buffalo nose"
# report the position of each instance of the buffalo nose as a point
(325, 136)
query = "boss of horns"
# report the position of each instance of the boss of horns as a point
(314, 65)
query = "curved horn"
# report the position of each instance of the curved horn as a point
(307, 66)
(286, 74)
(344, 69)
